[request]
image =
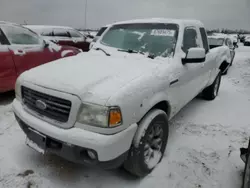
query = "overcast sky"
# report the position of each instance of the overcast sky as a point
(214, 13)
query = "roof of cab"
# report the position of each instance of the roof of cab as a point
(163, 20)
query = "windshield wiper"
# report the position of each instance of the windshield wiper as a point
(130, 51)
(151, 56)
(106, 53)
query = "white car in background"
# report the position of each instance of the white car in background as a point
(247, 41)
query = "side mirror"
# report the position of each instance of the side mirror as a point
(194, 55)
(46, 44)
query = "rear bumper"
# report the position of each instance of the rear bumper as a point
(74, 141)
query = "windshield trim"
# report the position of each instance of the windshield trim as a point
(173, 24)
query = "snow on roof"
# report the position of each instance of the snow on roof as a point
(8, 23)
(162, 20)
(47, 27)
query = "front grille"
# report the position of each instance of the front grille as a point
(56, 108)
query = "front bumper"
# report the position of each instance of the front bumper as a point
(108, 148)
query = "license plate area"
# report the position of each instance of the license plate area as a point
(36, 141)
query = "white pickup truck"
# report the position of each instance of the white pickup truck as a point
(111, 106)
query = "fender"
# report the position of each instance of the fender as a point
(148, 104)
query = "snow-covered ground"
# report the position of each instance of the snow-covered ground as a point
(203, 148)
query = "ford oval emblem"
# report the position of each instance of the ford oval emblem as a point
(41, 105)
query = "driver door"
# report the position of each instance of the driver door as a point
(192, 72)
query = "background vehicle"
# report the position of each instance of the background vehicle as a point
(242, 38)
(223, 45)
(235, 39)
(99, 33)
(21, 49)
(114, 105)
(65, 36)
(247, 41)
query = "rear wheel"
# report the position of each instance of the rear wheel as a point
(211, 92)
(149, 144)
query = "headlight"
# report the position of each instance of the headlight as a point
(100, 116)
(18, 89)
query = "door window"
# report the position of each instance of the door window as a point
(190, 39)
(47, 33)
(74, 34)
(21, 36)
(61, 33)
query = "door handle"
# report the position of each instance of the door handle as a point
(19, 52)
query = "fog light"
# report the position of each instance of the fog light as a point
(91, 154)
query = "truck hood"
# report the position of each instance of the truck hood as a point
(93, 76)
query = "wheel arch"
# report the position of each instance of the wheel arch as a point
(163, 105)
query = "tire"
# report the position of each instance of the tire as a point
(211, 92)
(149, 144)
(246, 174)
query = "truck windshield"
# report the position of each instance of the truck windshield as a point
(156, 39)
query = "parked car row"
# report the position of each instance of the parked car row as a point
(111, 106)
(22, 49)
(62, 35)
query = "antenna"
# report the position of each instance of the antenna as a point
(86, 6)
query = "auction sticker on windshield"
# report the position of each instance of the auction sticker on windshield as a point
(163, 32)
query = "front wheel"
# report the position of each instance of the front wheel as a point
(211, 92)
(149, 144)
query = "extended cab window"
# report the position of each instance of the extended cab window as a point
(204, 39)
(61, 33)
(189, 39)
(21, 36)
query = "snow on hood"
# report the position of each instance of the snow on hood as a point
(92, 76)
